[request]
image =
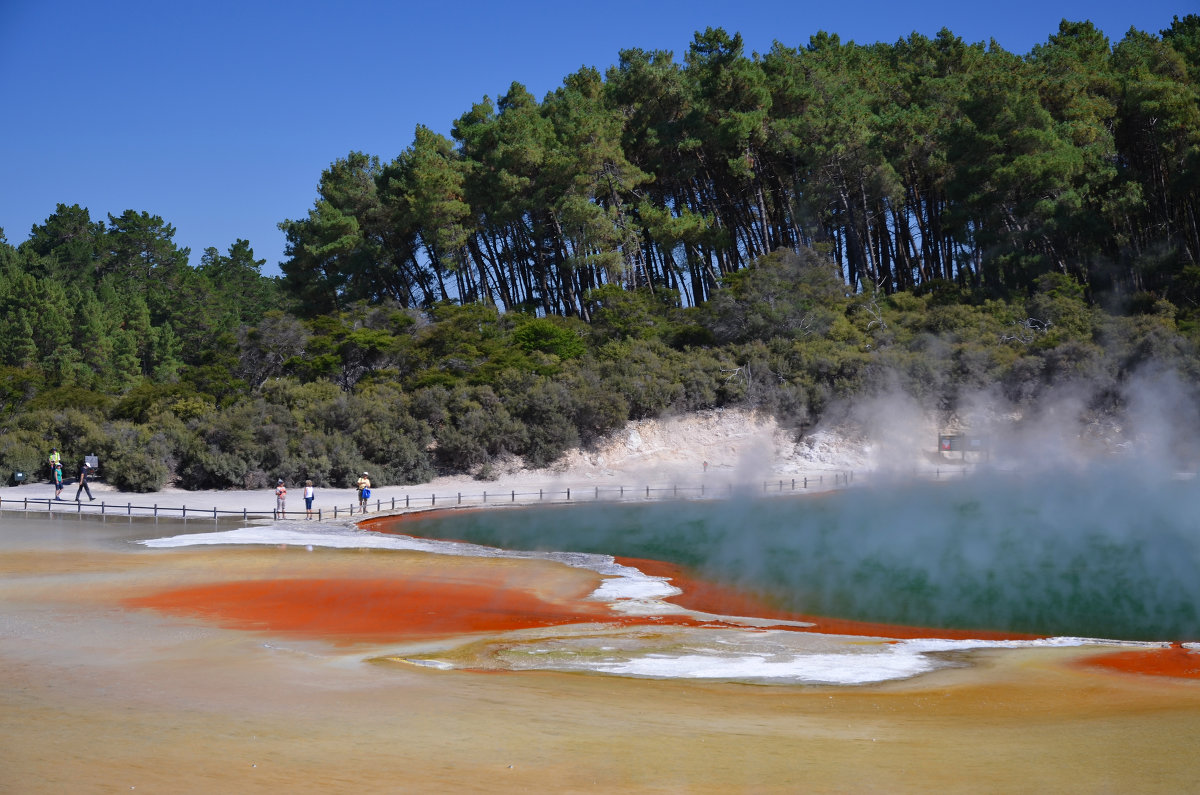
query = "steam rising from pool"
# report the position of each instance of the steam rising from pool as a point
(1093, 551)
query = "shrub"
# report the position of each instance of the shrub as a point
(135, 458)
(22, 451)
(549, 335)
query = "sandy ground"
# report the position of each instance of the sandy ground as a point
(103, 695)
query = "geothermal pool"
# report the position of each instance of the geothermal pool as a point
(909, 575)
(1079, 554)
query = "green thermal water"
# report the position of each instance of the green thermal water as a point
(1093, 555)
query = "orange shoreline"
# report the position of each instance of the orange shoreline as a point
(345, 610)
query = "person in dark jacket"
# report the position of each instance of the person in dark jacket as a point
(85, 472)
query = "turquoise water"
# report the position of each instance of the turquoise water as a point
(1090, 554)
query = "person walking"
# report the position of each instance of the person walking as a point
(58, 484)
(280, 499)
(309, 494)
(85, 472)
(364, 491)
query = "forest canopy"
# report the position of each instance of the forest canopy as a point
(774, 231)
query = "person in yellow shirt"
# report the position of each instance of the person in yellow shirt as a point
(364, 491)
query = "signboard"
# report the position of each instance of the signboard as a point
(961, 443)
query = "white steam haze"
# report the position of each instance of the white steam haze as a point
(1149, 424)
(1078, 519)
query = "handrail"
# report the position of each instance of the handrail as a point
(412, 499)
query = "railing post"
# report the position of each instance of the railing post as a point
(647, 492)
(485, 498)
(597, 492)
(101, 507)
(432, 500)
(185, 512)
(129, 509)
(622, 491)
(674, 490)
(335, 509)
(568, 495)
(514, 495)
(539, 495)
(405, 500)
(156, 510)
(460, 498)
(393, 503)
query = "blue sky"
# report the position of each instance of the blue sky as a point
(219, 116)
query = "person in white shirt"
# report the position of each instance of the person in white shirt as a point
(309, 494)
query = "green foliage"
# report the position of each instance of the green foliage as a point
(477, 428)
(549, 335)
(22, 451)
(135, 458)
(782, 295)
(1059, 302)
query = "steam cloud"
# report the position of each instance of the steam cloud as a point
(1081, 520)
